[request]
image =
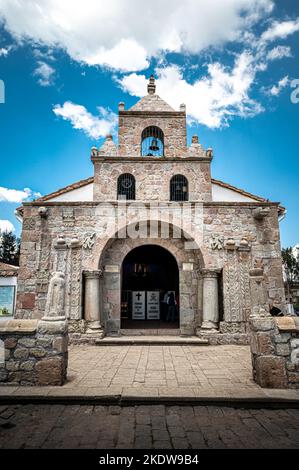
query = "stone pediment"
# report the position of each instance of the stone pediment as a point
(152, 103)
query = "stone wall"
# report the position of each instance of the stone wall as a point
(152, 177)
(275, 351)
(131, 125)
(35, 352)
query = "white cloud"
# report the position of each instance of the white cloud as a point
(276, 89)
(17, 196)
(126, 55)
(4, 51)
(6, 226)
(211, 100)
(280, 30)
(279, 52)
(125, 35)
(93, 126)
(45, 73)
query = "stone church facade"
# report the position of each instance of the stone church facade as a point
(151, 189)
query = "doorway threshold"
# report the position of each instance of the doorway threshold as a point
(150, 332)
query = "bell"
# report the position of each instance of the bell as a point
(154, 145)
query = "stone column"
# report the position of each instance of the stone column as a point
(210, 300)
(92, 300)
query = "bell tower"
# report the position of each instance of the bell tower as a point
(152, 128)
(152, 161)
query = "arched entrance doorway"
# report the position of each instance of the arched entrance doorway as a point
(149, 288)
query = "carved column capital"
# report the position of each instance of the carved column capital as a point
(96, 274)
(210, 272)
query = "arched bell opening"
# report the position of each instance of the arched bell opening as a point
(152, 142)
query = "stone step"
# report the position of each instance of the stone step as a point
(152, 340)
(150, 332)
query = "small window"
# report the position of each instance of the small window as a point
(126, 187)
(179, 188)
(152, 142)
(7, 300)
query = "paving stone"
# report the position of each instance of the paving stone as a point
(74, 426)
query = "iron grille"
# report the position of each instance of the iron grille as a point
(179, 188)
(126, 187)
(152, 142)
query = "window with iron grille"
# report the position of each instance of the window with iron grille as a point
(126, 187)
(179, 188)
(152, 142)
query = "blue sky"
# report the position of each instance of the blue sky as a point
(66, 65)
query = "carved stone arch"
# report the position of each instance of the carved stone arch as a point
(189, 261)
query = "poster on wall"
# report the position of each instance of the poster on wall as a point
(153, 305)
(7, 300)
(138, 305)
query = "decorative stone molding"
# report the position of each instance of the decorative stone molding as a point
(41, 286)
(96, 274)
(259, 295)
(217, 242)
(61, 248)
(94, 152)
(183, 109)
(210, 272)
(29, 224)
(43, 212)
(244, 245)
(75, 279)
(60, 244)
(89, 241)
(75, 243)
(230, 244)
(68, 216)
(261, 212)
(209, 153)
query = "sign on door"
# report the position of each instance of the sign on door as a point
(138, 305)
(153, 305)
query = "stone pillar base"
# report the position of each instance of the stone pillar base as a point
(60, 318)
(208, 327)
(186, 331)
(95, 329)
